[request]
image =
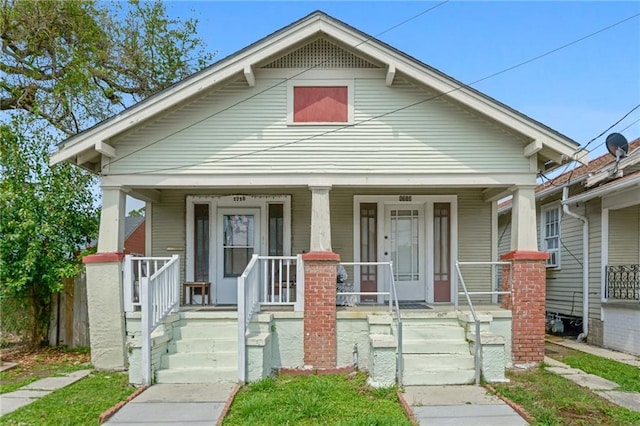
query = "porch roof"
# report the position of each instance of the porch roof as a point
(85, 148)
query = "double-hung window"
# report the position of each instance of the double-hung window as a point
(550, 230)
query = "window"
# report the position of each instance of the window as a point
(320, 102)
(550, 229)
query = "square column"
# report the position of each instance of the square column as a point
(104, 286)
(320, 219)
(523, 220)
(527, 305)
(320, 344)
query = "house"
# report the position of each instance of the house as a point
(588, 220)
(314, 146)
(134, 235)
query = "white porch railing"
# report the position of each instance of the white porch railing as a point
(476, 319)
(267, 280)
(159, 295)
(135, 269)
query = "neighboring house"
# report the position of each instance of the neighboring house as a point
(599, 201)
(314, 145)
(134, 235)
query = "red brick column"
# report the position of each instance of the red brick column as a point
(527, 305)
(320, 309)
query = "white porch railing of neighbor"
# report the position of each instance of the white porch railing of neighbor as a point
(468, 294)
(394, 305)
(267, 280)
(159, 294)
(135, 268)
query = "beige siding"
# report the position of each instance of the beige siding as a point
(504, 233)
(236, 128)
(624, 232)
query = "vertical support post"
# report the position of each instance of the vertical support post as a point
(523, 220)
(145, 330)
(127, 284)
(242, 331)
(527, 303)
(320, 219)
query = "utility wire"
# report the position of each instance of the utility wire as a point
(275, 85)
(462, 86)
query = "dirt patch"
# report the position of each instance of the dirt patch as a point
(40, 362)
(557, 352)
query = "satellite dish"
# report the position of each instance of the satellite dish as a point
(617, 145)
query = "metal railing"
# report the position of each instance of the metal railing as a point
(476, 319)
(394, 306)
(623, 282)
(159, 296)
(267, 280)
(135, 269)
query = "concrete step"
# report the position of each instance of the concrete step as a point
(419, 346)
(441, 377)
(197, 375)
(433, 332)
(227, 359)
(204, 330)
(435, 362)
(202, 345)
(210, 315)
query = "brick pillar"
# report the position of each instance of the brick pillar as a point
(320, 345)
(527, 305)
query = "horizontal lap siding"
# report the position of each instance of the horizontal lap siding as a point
(218, 132)
(565, 285)
(624, 235)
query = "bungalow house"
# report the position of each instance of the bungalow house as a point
(315, 146)
(589, 222)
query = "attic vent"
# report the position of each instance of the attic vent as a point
(320, 53)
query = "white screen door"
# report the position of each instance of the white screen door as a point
(404, 246)
(238, 240)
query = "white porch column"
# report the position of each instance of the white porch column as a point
(523, 220)
(320, 219)
(104, 286)
(111, 238)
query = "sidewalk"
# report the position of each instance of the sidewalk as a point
(605, 388)
(27, 394)
(459, 405)
(192, 404)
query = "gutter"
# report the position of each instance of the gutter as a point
(585, 264)
(604, 190)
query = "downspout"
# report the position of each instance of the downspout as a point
(585, 264)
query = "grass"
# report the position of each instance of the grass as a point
(553, 400)
(78, 404)
(40, 363)
(339, 399)
(626, 376)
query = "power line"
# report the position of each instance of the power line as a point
(275, 85)
(462, 86)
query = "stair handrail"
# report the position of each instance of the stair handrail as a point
(394, 305)
(476, 319)
(159, 296)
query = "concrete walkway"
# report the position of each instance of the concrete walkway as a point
(27, 394)
(459, 405)
(175, 404)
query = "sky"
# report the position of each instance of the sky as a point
(580, 90)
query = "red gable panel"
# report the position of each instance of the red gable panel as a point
(320, 104)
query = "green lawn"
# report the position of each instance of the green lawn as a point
(553, 400)
(78, 404)
(626, 376)
(339, 399)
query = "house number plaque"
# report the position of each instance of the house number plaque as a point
(404, 198)
(239, 198)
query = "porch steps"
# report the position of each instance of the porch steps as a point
(203, 349)
(435, 351)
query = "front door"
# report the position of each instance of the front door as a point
(238, 239)
(404, 245)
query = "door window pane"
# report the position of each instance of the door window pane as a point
(404, 244)
(238, 243)
(201, 242)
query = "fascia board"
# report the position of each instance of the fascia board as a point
(602, 191)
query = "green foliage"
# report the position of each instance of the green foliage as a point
(78, 404)
(329, 399)
(47, 218)
(74, 63)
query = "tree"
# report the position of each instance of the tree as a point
(74, 63)
(47, 217)
(66, 65)
(137, 212)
